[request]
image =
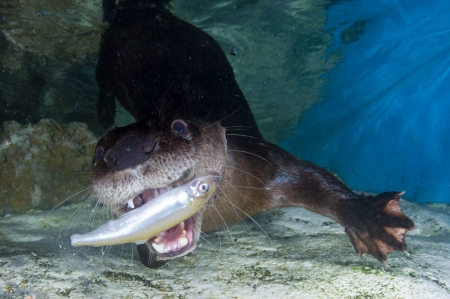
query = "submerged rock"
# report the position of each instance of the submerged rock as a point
(43, 164)
(49, 49)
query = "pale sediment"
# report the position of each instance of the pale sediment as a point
(307, 256)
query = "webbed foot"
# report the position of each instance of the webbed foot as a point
(377, 225)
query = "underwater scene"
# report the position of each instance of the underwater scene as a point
(224, 149)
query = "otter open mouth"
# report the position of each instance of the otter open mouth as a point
(167, 221)
(177, 240)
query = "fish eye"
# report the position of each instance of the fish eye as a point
(99, 154)
(204, 188)
(179, 127)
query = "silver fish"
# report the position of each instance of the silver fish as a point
(154, 217)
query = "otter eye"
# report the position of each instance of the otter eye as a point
(204, 188)
(179, 127)
(99, 154)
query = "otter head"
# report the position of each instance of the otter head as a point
(134, 164)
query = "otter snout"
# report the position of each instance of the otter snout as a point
(129, 151)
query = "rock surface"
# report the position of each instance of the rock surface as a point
(43, 164)
(304, 256)
(49, 49)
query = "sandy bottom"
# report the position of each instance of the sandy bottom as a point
(303, 256)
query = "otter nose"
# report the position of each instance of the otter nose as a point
(131, 150)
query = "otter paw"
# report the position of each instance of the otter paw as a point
(378, 226)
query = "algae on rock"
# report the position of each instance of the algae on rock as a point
(42, 164)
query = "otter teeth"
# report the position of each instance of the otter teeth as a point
(130, 204)
(182, 241)
(161, 247)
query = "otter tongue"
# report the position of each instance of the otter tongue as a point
(170, 240)
(144, 197)
(149, 194)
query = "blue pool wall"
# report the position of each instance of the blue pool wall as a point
(384, 121)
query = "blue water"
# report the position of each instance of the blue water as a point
(384, 121)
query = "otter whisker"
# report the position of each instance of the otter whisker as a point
(65, 200)
(249, 187)
(108, 249)
(234, 210)
(219, 121)
(164, 97)
(244, 187)
(82, 174)
(206, 240)
(151, 256)
(237, 191)
(78, 212)
(81, 210)
(105, 250)
(81, 171)
(246, 172)
(249, 217)
(249, 153)
(224, 223)
(217, 228)
(78, 182)
(227, 128)
(122, 250)
(93, 213)
(241, 135)
(81, 178)
(207, 115)
(235, 127)
(235, 206)
(229, 200)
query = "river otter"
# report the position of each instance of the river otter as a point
(192, 118)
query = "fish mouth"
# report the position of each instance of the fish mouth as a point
(177, 240)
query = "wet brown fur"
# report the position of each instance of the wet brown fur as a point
(160, 76)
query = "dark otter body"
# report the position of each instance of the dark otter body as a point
(192, 118)
(155, 63)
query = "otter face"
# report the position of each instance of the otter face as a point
(134, 164)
